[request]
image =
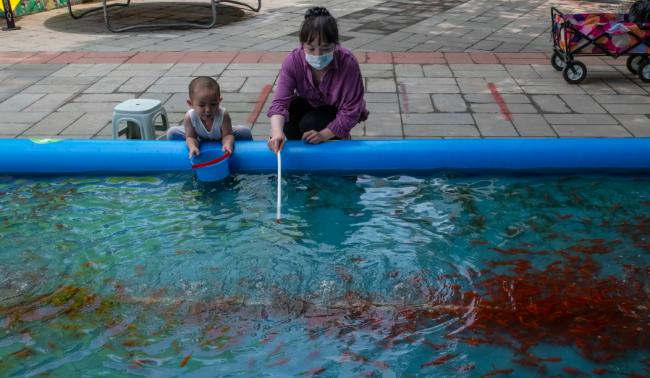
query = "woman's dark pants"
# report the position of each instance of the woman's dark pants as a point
(304, 117)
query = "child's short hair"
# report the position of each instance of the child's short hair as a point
(203, 82)
(319, 22)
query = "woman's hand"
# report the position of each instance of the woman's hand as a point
(276, 141)
(316, 137)
(313, 137)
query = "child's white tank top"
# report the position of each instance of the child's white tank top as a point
(201, 130)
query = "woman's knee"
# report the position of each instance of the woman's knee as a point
(299, 106)
(318, 119)
(242, 132)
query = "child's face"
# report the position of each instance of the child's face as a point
(205, 102)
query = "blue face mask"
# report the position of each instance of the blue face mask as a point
(319, 61)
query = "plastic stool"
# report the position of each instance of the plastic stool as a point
(139, 115)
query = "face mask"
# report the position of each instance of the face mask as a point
(319, 61)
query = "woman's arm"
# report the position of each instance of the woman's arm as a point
(277, 138)
(352, 104)
(279, 109)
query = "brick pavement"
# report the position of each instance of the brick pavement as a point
(454, 69)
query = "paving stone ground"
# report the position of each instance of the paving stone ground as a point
(432, 69)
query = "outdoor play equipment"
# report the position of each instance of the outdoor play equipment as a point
(149, 25)
(598, 34)
(7, 7)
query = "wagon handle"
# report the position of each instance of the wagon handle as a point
(555, 11)
(554, 27)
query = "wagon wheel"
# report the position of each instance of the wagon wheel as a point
(557, 62)
(644, 70)
(633, 62)
(575, 72)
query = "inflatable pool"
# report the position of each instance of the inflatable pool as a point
(138, 157)
(110, 271)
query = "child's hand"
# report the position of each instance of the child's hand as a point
(227, 147)
(194, 152)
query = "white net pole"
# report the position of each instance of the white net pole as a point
(279, 191)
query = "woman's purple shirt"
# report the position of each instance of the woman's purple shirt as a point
(341, 86)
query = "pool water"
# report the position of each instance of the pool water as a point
(447, 275)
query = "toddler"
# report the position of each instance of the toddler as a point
(206, 120)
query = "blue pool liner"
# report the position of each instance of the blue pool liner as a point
(25, 156)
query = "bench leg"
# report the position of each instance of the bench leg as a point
(259, 4)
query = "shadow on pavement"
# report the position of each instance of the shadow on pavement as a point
(141, 13)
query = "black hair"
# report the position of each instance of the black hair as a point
(640, 12)
(203, 82)
(319, 22)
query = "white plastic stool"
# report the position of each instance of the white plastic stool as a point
(140, 112)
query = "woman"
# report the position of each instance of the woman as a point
(319, 95)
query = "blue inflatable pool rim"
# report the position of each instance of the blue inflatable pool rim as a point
(24, 156)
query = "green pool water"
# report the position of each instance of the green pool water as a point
(364, 276)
